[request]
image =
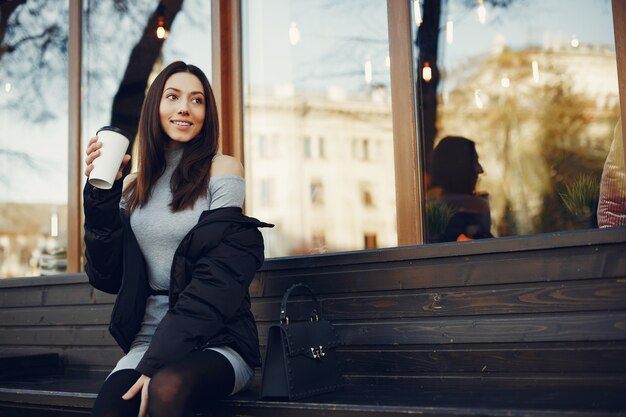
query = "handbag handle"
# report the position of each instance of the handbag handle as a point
(284, 319)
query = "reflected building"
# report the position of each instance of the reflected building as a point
(540, 117)
(320, 166)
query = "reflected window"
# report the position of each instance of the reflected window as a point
(317, 193)
(321, 148)
(370, 241)
(307, 147)
(316, 85)
(33, 138)
(267, 192)
(519, 106)
(367, 198)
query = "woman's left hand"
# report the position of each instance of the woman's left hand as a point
(141, 385)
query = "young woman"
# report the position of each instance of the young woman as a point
(172, 242)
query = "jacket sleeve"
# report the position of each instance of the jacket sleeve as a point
(612, 202)
(219, 283)
(103, 237)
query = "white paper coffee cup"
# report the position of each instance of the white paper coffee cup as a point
(106, 166)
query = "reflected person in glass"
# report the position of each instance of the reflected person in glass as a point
(456, 212)
(172, 242)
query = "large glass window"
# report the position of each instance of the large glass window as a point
(33, 137)
(120, 59)
(318, 141)
(519, 103)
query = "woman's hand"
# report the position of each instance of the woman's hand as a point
(93, 151)
(141, 385)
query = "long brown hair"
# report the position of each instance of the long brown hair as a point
(454, 165)
(190, 179)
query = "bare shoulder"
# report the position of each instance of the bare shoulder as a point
(128, 180)
(226, 165)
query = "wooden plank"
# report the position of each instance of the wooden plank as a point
(590, 295)
(75, 357)
(24, 365)
(578, 263)
(561, 327)
(54, 295)
(57, 336)
(17, 410)
(470, 397)
(594, 326)
(603, 240)
(536, 358)
(55, 316)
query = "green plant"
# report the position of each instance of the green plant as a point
(581, 197)
(438, 216)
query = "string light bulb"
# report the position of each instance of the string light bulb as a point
(575, 43)
(8, 87)
(368, 71)
(54, 224)
(449, 31)
(417, 12)
(294, 34)
(481, 10)
(161, 32)
(535, 66)
(478, 99)
(427, 72)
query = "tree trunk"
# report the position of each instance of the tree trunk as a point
(428, 44)
(131, 92)
(6, 10)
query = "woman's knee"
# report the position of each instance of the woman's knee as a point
(167, 387)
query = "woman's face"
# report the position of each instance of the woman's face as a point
(182, 108)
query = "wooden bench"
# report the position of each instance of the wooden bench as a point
(532, 326)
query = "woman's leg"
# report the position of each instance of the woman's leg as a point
(190, 384)
(110, 403)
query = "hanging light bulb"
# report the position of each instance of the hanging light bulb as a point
(54, 224)
(427, 72)
(535, 65)
(449, 31)
(417, 12)
(482, 12)
(478, 99)
(575, 43)
(161, 32)
(368, 71)
(294, 34)
(506, 82)
(8, 87)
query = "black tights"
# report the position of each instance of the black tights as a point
(175, 390)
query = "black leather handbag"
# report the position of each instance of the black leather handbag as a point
(300, 360)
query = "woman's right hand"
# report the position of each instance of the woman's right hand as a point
(93, 151)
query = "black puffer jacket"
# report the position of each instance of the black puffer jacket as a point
(211, 273)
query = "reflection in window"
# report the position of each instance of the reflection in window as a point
(33, 138)
(307, 147)
(267, 192)
(314, 83)
(118, 65)
(370, 241)
(367, 198)
(536, 93)
(317, 193)
(321, 148)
